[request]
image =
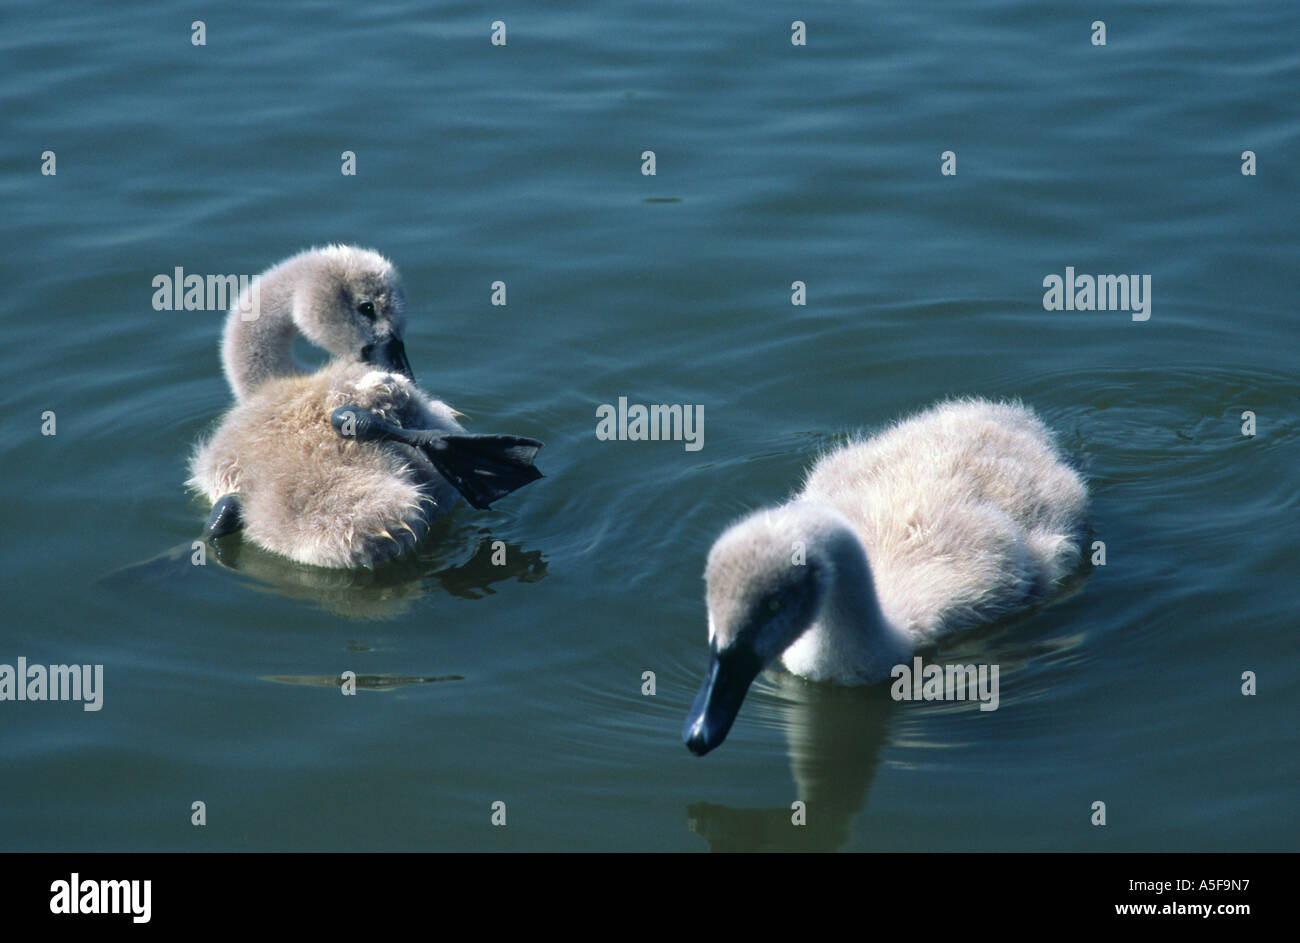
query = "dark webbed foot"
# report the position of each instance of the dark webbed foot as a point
(226, 518)
(483, 468)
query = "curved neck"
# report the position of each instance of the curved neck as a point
(258, 342)
(850, 641)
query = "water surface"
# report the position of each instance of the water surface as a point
(774, 164)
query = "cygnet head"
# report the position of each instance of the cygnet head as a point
(768, 578)
(350, 302)
(346, 300)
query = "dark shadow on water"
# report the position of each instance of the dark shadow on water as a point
(458, 561)
(833, 739)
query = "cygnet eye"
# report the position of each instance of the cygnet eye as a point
(774, 605)
(367, 308)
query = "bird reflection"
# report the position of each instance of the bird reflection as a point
(467, 565)
(833, 739)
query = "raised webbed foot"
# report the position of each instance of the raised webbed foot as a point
(483, 468)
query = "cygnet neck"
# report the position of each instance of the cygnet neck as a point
(258, 341)
(850, 640)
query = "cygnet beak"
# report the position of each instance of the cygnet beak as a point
(725, 685)
(390, 355)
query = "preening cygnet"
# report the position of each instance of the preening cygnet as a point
(347, 465)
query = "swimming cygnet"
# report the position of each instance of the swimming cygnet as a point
(955, 517)
(346, 466)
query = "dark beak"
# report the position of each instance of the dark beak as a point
(725, 685)
(391, 355)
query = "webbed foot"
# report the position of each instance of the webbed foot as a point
(482, 468)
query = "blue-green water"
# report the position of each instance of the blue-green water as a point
(775, 163)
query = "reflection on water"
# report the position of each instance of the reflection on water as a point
(833, 741)
(379, 682)
(384, 592)
(834, 736)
